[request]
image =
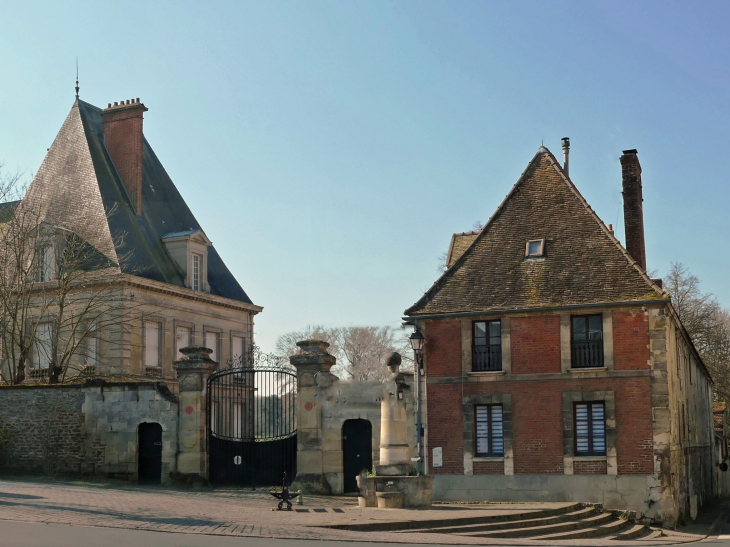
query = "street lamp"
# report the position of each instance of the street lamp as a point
(417, 340)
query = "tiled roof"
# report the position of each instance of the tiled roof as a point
(78, 181)
(459, 244)
(583, 262)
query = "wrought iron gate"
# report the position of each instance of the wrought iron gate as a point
(252, 435)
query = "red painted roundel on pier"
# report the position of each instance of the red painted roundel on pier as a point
(189, 410)
(308, 406)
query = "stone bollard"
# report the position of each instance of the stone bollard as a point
(192, 374)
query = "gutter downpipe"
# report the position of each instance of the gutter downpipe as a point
(419, 436)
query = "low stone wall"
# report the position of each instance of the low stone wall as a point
(85, 429)
(623, 492)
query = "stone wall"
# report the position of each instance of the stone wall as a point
(85, 429)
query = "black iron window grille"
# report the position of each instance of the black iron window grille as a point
(489, 431)
(590, 429)
(486, 351)
(586, 344)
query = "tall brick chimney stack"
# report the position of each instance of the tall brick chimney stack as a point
(123, 138)
(633, 206)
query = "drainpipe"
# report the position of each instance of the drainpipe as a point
(419, 437)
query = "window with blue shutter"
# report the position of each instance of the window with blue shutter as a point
(489, 434)
(590, 429)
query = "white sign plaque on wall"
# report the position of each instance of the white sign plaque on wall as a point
(438, 456)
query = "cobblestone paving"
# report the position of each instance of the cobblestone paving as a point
(233, 513)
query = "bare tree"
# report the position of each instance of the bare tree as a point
(361, 352)
(59, 295)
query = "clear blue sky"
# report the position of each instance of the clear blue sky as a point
(329, 149)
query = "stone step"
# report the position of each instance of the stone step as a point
(635, 531)
(613, 527)
(527, 523)
(653, 534)
(561, 527)
(411, 525)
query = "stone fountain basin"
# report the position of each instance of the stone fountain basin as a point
(417, 490)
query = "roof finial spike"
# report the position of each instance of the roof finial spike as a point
(77, 77)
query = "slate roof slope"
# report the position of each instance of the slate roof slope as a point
(584, 263)
(459, 244)
(78, 176)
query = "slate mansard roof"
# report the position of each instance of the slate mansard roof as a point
(583, 263)
(79, 182)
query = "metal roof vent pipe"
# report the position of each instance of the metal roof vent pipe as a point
(565, 141)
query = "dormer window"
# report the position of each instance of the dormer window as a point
(46, 263)
(535, 248)
(189, 250)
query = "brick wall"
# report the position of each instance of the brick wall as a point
(583, 467)
(634, 426)
(535, 343)
(444, 348)
(630, 340)
(537, 422)
(445, 427)
(489, 468)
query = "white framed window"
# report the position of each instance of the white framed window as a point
(42, 345)
(92, 344)
(535, 248)
(197, 270)
(211, 342)
(152, 343)
(183, 339)
(46, 261)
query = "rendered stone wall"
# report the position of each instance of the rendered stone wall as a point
(84, 429)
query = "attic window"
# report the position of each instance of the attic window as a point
(535, 248)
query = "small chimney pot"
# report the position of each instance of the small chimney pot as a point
(565, 142)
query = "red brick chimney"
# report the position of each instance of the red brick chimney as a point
(123, 138)
(633, 207)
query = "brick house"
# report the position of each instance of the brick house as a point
(180, 291)
(555, 368)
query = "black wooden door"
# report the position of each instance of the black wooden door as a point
(150, 453)
(357, 450)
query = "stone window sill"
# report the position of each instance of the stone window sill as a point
(488, 459)
(487, 373)
(587, 369)
(590, 458)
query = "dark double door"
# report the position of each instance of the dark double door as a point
(357, 451)
(150, 453)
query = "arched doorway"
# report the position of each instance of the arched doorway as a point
(357, 451)
(150, 453)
